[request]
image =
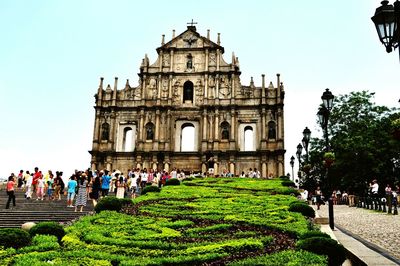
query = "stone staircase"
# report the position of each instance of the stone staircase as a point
(37, 210)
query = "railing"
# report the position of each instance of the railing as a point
(383, 204)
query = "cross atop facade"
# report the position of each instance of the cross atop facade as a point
(191, 23)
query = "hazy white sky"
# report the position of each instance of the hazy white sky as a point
(52, 54)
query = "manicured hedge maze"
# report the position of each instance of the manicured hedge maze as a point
(200, 222)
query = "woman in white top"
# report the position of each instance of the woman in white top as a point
(28, 193)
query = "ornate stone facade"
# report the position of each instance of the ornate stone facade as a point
(190, 91)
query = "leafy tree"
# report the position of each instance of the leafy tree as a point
(361, 137)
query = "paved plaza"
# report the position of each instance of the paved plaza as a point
(378, 228)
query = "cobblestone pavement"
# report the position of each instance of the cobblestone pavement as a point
(379, 228)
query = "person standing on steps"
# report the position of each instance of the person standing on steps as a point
(105, 184)
(71, 191)
(10, 192)
(81, 198)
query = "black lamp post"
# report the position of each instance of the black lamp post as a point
(387, 22)
(306, 140)
(298, 153)
(323, 116)
(292, 165)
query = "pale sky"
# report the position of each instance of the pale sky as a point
(52, 54)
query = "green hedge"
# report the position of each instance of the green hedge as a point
(288, 257)
(14, 238)
(323, 246)
(314, 234)
(150, 189)
(173, 182)
(288, 183)
(302, 208)
(110, 204)
(48, 228)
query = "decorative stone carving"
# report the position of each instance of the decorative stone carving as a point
(199, 92)
(224, 88)
(166, 60)
(175, 94)
(213, 59)
(164, 90)
(152, 88)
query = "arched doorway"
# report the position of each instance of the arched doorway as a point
(248, 139)
(187, 137)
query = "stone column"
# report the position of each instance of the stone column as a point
(167, 131)
(264, 173)
(204, 137)
(157, 133)
(263, 124)
(210, 130)
(144, 87)
(206, 63)
(109, 163)
(280, 125)
(166, 167)
(216, 91)
(205, 87)
(232, 168)
(233, 126)
(96, 130)
(159, 84)
(170, 88)
(114, 95)
(216, 125)
(171, 58)
(218, 58)
(112, 131)
(141, 124)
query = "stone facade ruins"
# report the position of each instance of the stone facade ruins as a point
(188, 107)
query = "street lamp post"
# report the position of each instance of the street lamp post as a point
(323, 116)
(387, 22)
(292, 165)
(298, 154)
(306, 140)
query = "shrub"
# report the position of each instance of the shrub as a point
(284, 177)
(14, 238)
(314, 234)
(150, 189)
(324, 246)
(187, 179)
(287, 257)
(109, 203)
(173, 182)
(126, 201)
(288, 183)
(302, 208)
(48, 228)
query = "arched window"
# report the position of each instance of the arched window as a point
(187, 137)
(149, 131)
(225, 130)
(271, 130)
(188, 92)
(248, 139)
(105, 131)
(127, 143)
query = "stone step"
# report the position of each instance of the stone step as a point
(33, 210)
